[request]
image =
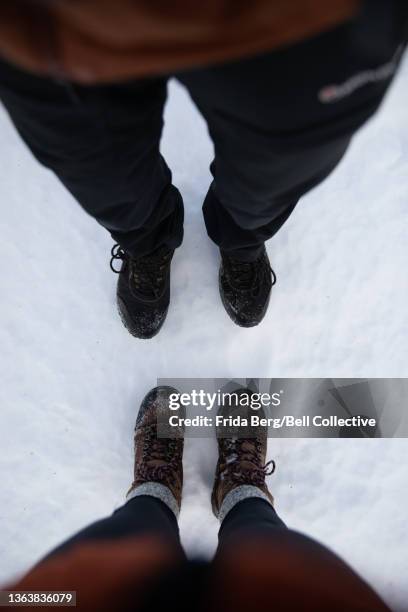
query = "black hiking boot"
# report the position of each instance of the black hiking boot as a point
(143, 291)
(245, 288)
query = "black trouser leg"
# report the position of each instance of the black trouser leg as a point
(250, 516)
(142, 515)
(275, 134)
(103, 144)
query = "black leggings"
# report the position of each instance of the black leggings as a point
(145, 515)
(285, 565)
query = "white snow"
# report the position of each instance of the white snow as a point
(72, 377)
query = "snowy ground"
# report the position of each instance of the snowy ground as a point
(72, 378)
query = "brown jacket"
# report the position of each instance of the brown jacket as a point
(92, 41)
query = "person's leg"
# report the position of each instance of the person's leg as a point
(141, 515)
(279, 127)
(103, 144)
(154, 498)
(240, 496)
(252, 515)
(261, 562)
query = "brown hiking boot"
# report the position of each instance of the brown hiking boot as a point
(158, 461)
(241, 467)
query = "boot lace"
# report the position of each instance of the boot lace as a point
(248, 277)
(237, 451)
(146, 273)
(160, 458)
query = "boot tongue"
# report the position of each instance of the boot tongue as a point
(248, 458)
(147, 269)
(248, 447)
(245, 273)
(247, 465)
(156, 463)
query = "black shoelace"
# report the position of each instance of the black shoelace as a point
(248, 277)
(146, 273)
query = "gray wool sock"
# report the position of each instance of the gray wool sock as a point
(157, 490)
(237, 495)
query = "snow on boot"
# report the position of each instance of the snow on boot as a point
(245, 288)
(241, 468)
(143, 290)
(158, 468)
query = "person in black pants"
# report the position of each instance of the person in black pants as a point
(133, 560)
(280, 123)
